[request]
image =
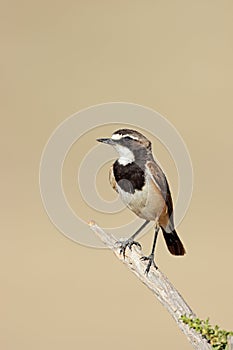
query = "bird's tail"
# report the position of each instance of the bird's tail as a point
(174, 244)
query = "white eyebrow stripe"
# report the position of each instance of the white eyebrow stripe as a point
(116, 136)
(119, 136)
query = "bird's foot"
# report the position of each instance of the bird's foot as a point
(151, 261)
(127, 244)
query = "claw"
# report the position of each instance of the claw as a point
(150, 260)
(128, 243)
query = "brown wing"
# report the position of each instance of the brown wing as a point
(112, 179)
(160, 181)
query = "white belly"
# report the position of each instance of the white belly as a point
(146, 204)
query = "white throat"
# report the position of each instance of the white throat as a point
(126, 156)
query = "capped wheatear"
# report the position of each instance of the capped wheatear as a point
(143, 188)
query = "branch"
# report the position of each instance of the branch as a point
(158, 283)
(230, 343)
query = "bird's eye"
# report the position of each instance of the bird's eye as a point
(127, 138)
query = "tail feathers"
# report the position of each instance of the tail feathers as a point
(173, 242)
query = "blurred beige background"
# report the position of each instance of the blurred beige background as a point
(58, 57)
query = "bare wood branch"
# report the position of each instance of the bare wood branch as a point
(230, 343)
(158, 283)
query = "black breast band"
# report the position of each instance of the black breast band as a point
(129, 177)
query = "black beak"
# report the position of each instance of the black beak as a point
(108, 141)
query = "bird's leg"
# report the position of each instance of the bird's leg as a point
(150, 258)
(130, 241)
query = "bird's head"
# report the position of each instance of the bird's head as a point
(129, 144)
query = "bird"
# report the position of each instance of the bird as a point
(144, 189)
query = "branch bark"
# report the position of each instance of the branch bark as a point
(230, 343)
(158, 283)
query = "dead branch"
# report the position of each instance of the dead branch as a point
(158, 283)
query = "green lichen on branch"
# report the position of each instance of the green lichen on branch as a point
(218, 338)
